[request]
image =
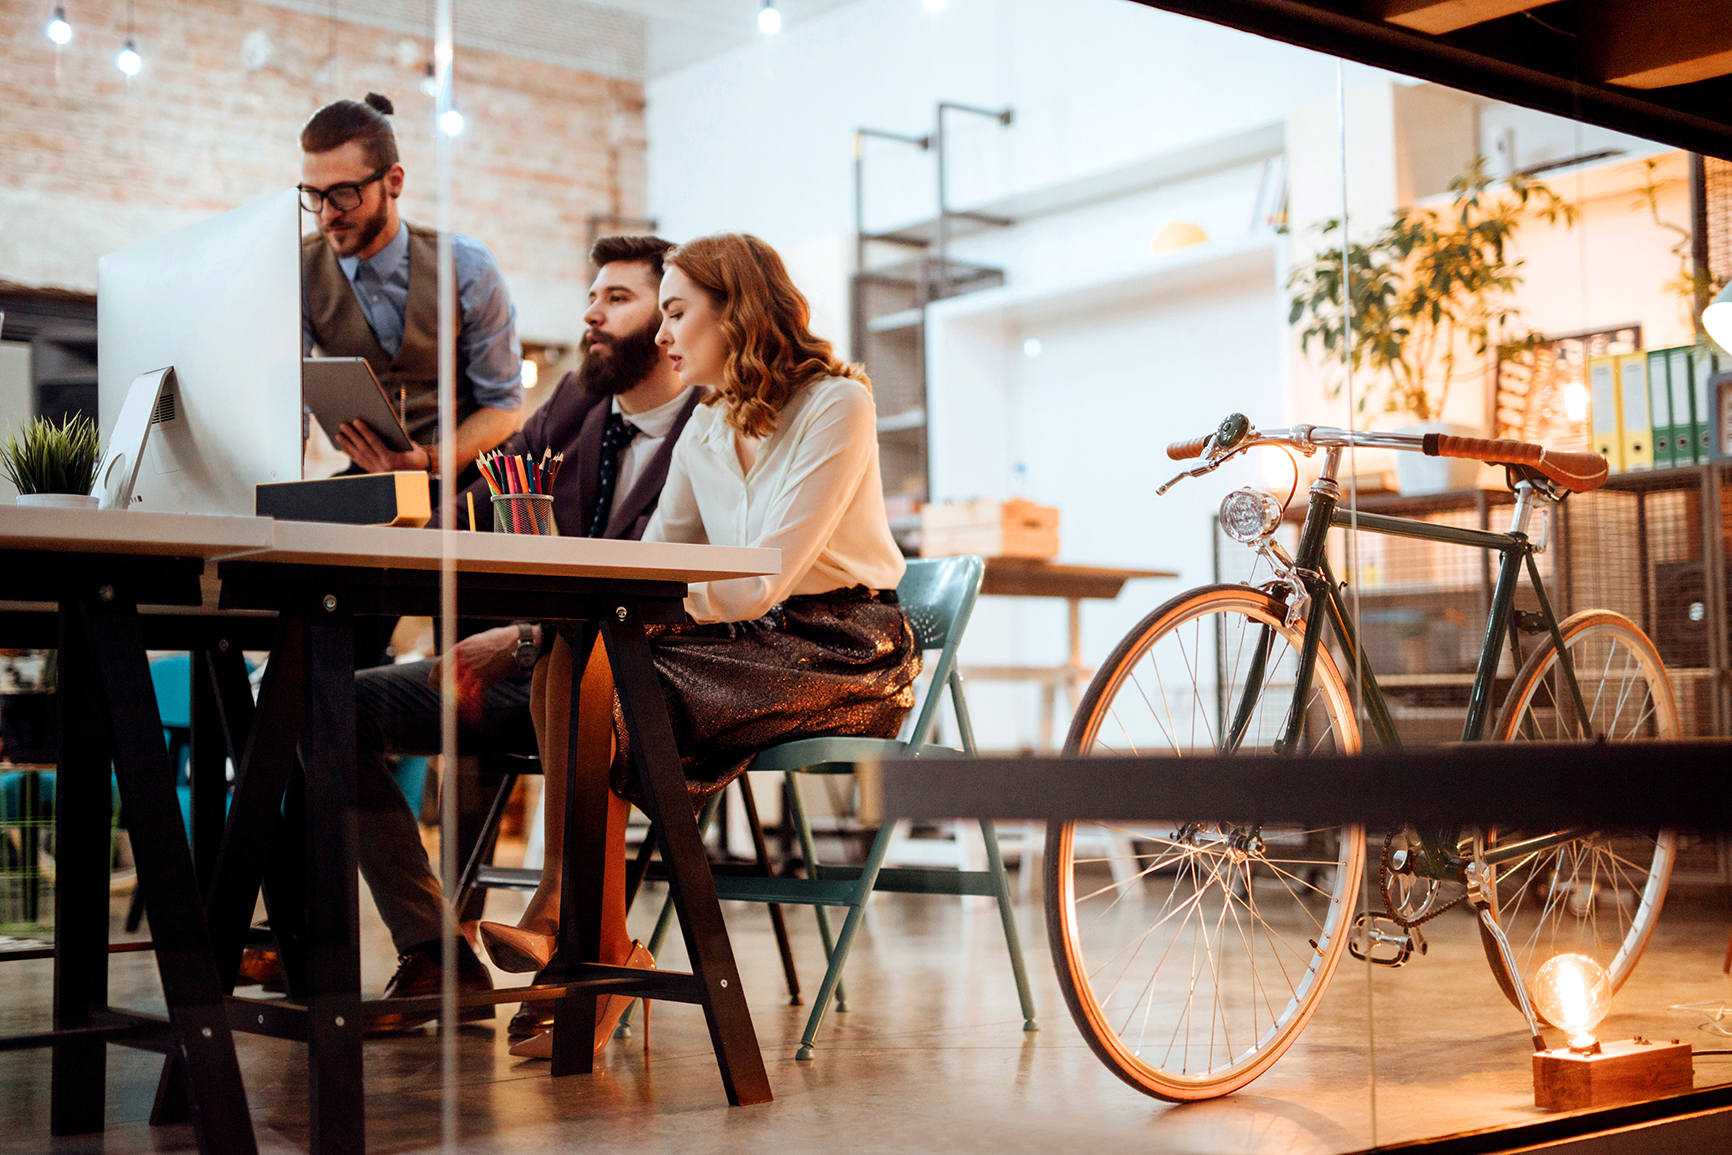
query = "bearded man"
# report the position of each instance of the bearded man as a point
(616, 419)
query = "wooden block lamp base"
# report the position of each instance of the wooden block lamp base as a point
(1627, 1071)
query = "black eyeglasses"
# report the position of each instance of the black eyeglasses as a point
(343, 197)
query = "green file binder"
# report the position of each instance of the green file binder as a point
(1660, 407)
(1678, 364)
(1703, 366)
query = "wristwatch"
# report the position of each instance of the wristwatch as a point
(527, 652)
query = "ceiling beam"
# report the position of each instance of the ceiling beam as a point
(1640, 44)
(1439, 16)
(1693, 118)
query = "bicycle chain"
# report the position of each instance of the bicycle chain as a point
(1383, 876)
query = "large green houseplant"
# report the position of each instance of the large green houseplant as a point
(1427, 290)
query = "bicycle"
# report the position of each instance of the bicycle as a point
(1191, 958)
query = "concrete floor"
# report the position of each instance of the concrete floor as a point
(930, 1058)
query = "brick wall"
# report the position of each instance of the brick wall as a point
(93, 163)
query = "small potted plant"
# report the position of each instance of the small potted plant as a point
(53, 465)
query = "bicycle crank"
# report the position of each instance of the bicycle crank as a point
(1368, 938)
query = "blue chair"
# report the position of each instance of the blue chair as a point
(938, 595)
(171, 678)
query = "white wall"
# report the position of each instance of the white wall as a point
(761, 139)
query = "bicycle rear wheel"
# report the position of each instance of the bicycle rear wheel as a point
(1192, 953)
(1600, 894)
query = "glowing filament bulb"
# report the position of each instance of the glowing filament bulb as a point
(59, 30)
(129, 61)
(1573, 992)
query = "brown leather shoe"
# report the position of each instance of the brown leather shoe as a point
(418, 975)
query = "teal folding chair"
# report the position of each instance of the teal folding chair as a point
(938, 595)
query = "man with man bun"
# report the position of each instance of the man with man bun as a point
(370, 280)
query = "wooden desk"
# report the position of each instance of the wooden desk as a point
(292, 826)
(1017, 577)
(318, 579)
(96, 569)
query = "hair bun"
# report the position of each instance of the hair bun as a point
(380, 103)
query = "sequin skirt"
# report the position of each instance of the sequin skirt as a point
(842, 662)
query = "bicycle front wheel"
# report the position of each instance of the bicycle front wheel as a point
(1600, 894)
(1192, 952)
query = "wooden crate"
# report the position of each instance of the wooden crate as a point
(1015, 528)
(1626, 1071)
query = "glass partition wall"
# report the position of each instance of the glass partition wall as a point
(1058, 242)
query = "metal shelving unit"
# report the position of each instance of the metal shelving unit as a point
(889, 295)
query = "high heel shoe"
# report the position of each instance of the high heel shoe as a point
(608, 1010)
(518, 949)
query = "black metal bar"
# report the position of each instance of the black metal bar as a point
(261, 776)
(82, 814)
(215, 1095)
(1421, 530)
(1491, 649)
(1529, 785)
(481, 846)
(693, 891)
(761, 851)
(207, 768)
(1370, 693)
(1437, 59)
(336, 1110)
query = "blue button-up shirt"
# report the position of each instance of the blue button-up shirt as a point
(488, 338)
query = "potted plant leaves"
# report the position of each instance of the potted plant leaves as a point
(1429, 290)
(53, 464)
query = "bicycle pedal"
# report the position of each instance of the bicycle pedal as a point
(1369, 942)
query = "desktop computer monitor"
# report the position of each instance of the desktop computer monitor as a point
(220, 301)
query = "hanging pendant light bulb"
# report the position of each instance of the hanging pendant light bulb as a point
(451, 122)
(59, 30)
(769, 19)
(128, 60)
(429, 81)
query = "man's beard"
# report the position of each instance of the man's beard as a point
(363, 236)
(626, 361)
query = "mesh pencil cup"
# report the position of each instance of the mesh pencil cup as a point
(524, 513)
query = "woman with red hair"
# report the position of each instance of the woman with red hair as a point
(783, 456)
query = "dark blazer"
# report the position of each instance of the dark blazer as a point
(572, 423)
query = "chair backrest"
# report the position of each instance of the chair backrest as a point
(938, 596)
(171, 677)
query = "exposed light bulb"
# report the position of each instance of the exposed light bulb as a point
(451, 121)
(1031, 348)
(429, 81)
(1576, 401)
(1573, 993)
(59, 30)
(531, 373)
(769, 19)
(129, 61)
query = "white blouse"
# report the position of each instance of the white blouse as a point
(813, 492)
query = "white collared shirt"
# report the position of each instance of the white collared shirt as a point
(653, 426)
(813, 492)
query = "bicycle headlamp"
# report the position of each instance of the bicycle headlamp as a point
(1249, 515)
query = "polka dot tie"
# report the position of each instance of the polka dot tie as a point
(617, 436)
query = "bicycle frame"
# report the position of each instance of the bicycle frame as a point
(1440, 850)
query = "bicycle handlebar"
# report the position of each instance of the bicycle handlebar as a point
(1574, 471)
(1181, 450)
